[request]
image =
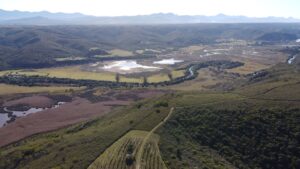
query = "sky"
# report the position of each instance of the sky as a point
(252, 8)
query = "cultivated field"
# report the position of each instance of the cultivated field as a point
(6, 89)
(117, 156)
(115, 53)
(75, 72)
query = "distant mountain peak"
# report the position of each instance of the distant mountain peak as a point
(17, 17)
(221, 15)
(161, 13)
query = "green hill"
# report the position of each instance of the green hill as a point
(255, 126)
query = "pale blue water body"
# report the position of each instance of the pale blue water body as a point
(127, 65)
(171, 61)
(24, 113)
(4, 118)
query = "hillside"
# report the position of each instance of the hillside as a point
(255, 126)
(141, 84)
(42, 46)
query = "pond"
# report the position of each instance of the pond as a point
(3, 119)
(24, 113)
(127, 65)
(171, 61)
(4, 116)
(120, 66)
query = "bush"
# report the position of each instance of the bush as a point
(161, 104)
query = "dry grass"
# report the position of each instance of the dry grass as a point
(120, 52)
(13, 89)
(71, 72)
(99, 91)
(178, 73)
(115, 52)
(131, 79)
(250, 66)
(263, 60)
(164, 76)
(75, 72)
(158, 78)
(191, 49)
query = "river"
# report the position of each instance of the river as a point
(290, 60)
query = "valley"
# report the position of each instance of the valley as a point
(204, 96)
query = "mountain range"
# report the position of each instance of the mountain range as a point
(48, 18)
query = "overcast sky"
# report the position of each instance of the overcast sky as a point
(254, 8)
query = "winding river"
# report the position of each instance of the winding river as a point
(290, 60)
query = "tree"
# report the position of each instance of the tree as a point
(117, 77)
(145, 81)
(170, 76)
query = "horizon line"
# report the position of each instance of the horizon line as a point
(269, 16)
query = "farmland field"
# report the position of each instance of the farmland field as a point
(75, 72)
(116, 156)
(6, 89)
(114, 53)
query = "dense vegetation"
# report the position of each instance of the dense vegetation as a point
(278, 36)
(264, 138)
(257, 128)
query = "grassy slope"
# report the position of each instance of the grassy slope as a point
(79, 145)
(281, 83)
(253, 127)
(249, 67)
(250, 127)
(207, 79)
(27, 46)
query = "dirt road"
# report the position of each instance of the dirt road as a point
(141, 150)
